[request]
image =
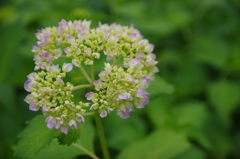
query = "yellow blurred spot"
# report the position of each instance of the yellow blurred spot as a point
(80, 13)
(6, 12)
(77, 80)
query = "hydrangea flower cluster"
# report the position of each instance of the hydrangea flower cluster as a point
(121, 86)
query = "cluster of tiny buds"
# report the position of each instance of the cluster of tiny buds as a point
(121, 86)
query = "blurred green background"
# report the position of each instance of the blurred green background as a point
(195, 101)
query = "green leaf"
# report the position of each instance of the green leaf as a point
(190, 118)
(198, 135)
(210, 50)
(7, 96)
(54, 150)
(159, 86)
(131, 129)
(225, 97)
(185, 79)
(162, 21)
(136, 8)
(10, 41)
(72, 136)
(234, 57)
(35, 137)
(158, 111)
(193, 152)
(162, 144)
(219, 136)
(193, 113)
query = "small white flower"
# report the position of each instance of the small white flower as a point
(67, 67)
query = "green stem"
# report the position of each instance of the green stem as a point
(116, 60)
(101, 136)
(88, 114)
(85, 74)
(81, 86)
(92, 73)
(86, 150)
(65, 56)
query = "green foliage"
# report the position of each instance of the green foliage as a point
(195, 96)
(159, 86)
(192, 114)
(35, 137)
(158, 112)
(54, 150)
(72, 136)
(210, 51)
(191, 153)
(131, 129)
(225, 97)
(162, 143)
(8, 46)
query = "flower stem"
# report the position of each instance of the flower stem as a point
(86, 150)
(81, 86)
(65, 56)
(85, 74)
(101, 136)
(116, 60)
(88, 114)
(92, 74)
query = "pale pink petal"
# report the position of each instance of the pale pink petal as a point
(67, 67)
(58, 53)
(144, 81)
(140, 92)
(63, 25)
(64, 130)
(46, 37)
(27, 98)
(80, 118)
(88, 51)
(133, 36)
(97, 84)
(58, 125)
(45, 55)
(130, 108)
(49, 119)
(67, 50)
(89, 95)
(33, 107)
(104, 75)
(109, 58)
(94, 106)
(50, 122)
(32, 76)
(59, 81)
(103, 113)
(130, 78)
(70, 39)
(54, 68)
(125, 96)
(142, 103)
(123, 114)
(36, 68)
(26, 86)
(73, 123)
(76, 63)
(149, 48)
(155, 70)
(38, 35)
(140, 54)
(134, 62)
